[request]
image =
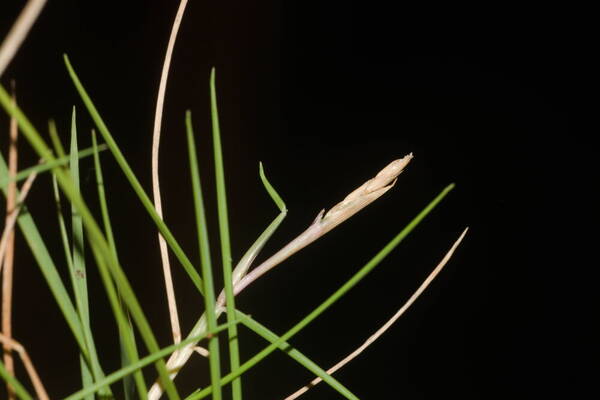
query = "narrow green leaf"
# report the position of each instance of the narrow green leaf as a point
(136, 366)
(270, 189)
(55, 139)
(332, 299)
(296, 355)
(48, 268)
(234, 355)
(40, 168)
(126, 333)
(16, 385)
(101, 251)
(205, 261)
(79, 274)
(133, 181)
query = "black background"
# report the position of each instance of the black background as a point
(492, 98)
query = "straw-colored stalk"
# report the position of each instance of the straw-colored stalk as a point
(358, 199)
(388, 324)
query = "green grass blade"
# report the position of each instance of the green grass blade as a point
(133, 181)
(333, 298)
(129, 383)
(296, 355)
(234, 355)
(16, 385)
(61, 224)
(102, 254)
(77, 265)
(271, 190)
(48, 268)
(205, 261)
(79, 274)
(55, 139)
(245, 262)
(136, 366)
(24, 173)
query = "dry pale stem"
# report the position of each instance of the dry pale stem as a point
(388, 324)
(354, 202)
(358, 199)
(11, 219)
(18, 32)
(164, 252)
(8, 257)
(40, 391)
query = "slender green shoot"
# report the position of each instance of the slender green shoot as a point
(101, 251)
(205, 261)
(285, 347)
(55, 139)
(270, 189)
(92, 372)
(48, 268)
(15, 385)
(332, 299)
(133, 181)
(234, 356)
(24, 173)
(143, 362)
(127, 329)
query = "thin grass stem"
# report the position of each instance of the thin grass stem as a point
(38, 386)
(126, 332)
(332, 299)
(388, 324)
(160, 100)
(234, 356)
(205, 261)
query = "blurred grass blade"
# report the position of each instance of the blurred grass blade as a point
(127, 330)
(105, 261)
(234, 355)
(48, 269)
(56, 143)
(24, 173)
(79, 274)
(296, 355)
(133, 181)
(205, 261)
(14, 383)
(138, 365)
(334, 297)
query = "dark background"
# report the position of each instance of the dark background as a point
(494, 99)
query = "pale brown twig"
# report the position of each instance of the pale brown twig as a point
(354, 202)
(388, 324)
(18, 32)
(164, 253)
(358, 199)
(40, 391)
(11, 219)
(8, 257)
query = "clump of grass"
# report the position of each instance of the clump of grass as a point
(132, 324)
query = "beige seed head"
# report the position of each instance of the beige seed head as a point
(367, 192)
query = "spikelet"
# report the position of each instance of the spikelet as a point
(358, 199)
(365, 194)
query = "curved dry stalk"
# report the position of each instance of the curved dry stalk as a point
(354, 202)
(164, 252)
(7, 258)
(40, 391)
(11, 219)
(389, 323)
(358, 199)
(19, 32)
